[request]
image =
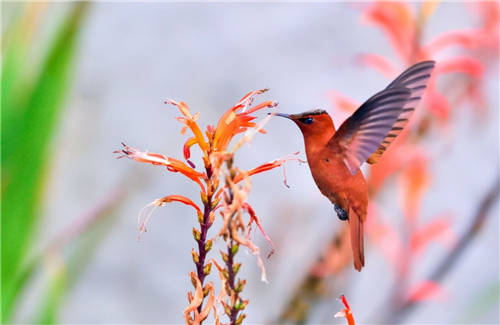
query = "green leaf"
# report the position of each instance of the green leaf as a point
(58, 279)
(30, 114)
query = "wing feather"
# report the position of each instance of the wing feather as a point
(371, 129)
(362, 133)
(415, 79)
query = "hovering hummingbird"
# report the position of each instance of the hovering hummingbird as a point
(335, 157)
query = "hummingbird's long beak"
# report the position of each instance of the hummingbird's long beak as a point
(281, 114)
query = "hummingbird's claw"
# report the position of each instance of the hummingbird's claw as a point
(341, 213)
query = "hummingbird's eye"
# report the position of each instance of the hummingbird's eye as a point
(306, 120)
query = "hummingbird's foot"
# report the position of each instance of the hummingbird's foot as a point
(341, 213)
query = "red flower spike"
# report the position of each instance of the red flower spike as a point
(397, 21)
(346, 312)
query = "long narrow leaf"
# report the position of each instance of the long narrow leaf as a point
(25, 152)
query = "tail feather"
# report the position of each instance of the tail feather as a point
(358, 251)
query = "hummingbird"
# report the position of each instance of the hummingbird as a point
(335, 156)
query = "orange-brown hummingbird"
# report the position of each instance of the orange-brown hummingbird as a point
(335, 157)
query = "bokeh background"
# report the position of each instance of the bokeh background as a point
(80, 78)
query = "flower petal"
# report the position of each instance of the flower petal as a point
(147, 211)
(378, 63)
(427, 290)
(197, 299)
(439, 229)
(254, 218)
(172, 164)
(346, 312)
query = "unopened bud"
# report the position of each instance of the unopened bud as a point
(215, 202)
(196, 234)
(225, 258)
(236, 268)
(207, 268)
(227, 309)
(201, 218)
(240, 305)
(240, 319)
(196, 258)
(193, 282)
(204, 198)
(240, 285)
(208, 245)
(206, 291)
(234, 249)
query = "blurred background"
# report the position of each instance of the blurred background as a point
(80, 78)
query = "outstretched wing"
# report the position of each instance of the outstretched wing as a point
(368, 132)
(415, 79)
(361, 134)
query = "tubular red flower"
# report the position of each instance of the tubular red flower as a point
(172, 164)
(346, 312)
(148, 210)
(267, 166)
(187, 146)
(232, 123)
(398, 23)
(190, 121)
(254, 218)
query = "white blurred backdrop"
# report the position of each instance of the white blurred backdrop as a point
(132, 56)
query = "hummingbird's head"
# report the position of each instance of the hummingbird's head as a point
(316, 125)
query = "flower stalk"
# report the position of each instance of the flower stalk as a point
(215, 154)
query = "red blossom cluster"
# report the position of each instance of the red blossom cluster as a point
(222, 186)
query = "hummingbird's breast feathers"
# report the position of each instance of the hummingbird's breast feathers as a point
(335, 156)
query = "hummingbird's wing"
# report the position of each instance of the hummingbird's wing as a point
(415, 78)
(363, 132)
(374, 125)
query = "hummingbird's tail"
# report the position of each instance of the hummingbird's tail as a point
(358, 251)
